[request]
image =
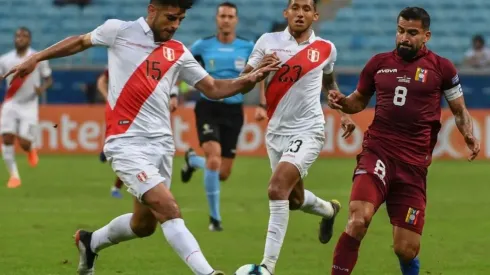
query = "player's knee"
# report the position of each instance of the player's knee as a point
(277, 190)
(358, 224)
(406, 250)
(164, 207)
(144, 229)
(213, 162)
(224, 175)
(8, 139)
(25, 145)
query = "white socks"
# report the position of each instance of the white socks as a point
(8, 154)
(118, 230)
(184, 243)
(316, 206)
(278, 224)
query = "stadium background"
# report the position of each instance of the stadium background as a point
(64, 190)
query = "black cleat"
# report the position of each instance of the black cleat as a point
(326, 225)
(187, 170)
(214, 225)
(86, 266)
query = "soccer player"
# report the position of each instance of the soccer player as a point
(397, 149)
(20, 111)
(144, 63)
(218, 122)
(296, 132)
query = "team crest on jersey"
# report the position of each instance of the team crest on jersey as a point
(412, 216)
(142, 177)
(169, 53)
(313, 55)
(421, 75)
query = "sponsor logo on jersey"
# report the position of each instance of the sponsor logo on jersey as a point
(240, 63)
(313, 55)
(169, 54)
(387, 71)
(421, 75)
(404, 79)
(412, 216)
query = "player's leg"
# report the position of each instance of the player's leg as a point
(229, 135)
(8, 130)
(368, 193)
(308, 202)
(27, 135)
(406, 207)
(212, 151)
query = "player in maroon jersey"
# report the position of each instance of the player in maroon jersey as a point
(397, 148)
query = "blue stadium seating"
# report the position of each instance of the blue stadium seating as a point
(359, 31)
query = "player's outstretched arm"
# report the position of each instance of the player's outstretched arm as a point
(68, 46)
(464, 123)
(352, 104)
(223, 88)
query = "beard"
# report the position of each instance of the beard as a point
(407, 52)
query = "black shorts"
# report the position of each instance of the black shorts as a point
(220, 122)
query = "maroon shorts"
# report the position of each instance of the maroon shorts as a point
(401, 185)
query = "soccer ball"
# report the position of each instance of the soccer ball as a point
(252, 269)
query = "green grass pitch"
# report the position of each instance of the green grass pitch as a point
(65, 193)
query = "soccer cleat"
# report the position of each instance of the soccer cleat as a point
(86, 266)
(326, 225)
(13, 182)
(116, 193)
(33, 158)
(214, 225)
(187, 170)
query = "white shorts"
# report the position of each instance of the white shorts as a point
(300, 150)
(141, 162)
(14, 121)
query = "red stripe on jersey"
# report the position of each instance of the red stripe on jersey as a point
(15, 86)
(294, 69)
(140, 86)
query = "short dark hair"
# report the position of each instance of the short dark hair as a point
(479, 38)
(228, 4)
(25, 29)
(416, 13)
(183, 4)
(315, 3)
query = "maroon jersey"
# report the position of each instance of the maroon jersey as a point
(408, 103)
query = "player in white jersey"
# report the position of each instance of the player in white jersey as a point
(144, 64)
(295, 133)
(19, 115)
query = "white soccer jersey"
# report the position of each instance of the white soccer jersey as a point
(142, 74)
(293, 92)
(22, 91)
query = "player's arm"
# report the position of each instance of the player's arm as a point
(104, 35)
(103, 85)
(47, 79)
(453, 93)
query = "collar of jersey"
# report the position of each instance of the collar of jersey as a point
(288, 37)
(144, 25)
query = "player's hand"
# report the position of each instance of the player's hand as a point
(262, 73)
(474, 145)
(347, 125)
(335, 99)
(174, 102)
(39, 90)
(260, 114)
(24, 68)
(268, 59)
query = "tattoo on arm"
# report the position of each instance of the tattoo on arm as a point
(463, 122)
(329, 82)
